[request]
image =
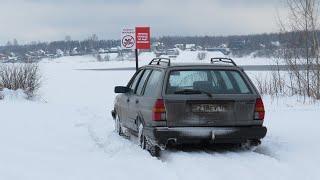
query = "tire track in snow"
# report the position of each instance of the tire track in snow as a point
(101, 131)
(216, 150)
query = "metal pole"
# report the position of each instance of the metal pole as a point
(137, 66)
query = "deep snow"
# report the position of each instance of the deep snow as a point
(68, 134)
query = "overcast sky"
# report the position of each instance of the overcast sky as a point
(46, 20)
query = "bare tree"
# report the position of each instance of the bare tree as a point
(302, 47)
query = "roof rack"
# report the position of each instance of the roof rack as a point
(158, 61)
(221, 59)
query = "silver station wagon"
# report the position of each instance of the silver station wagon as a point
(167, 103)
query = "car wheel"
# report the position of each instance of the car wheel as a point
(154, 150)
(117, 126)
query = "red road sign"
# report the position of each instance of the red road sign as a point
(143, 37)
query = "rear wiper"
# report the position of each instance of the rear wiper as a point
(192, 91)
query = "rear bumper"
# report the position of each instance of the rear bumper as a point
(186, 135)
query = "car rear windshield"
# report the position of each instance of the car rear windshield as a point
(207, 81)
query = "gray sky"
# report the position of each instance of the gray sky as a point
(46, 20)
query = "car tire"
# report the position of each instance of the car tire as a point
(118, 126)
(154, 150)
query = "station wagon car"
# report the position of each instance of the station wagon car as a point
(166, 103)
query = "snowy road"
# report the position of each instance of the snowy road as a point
(68, 134)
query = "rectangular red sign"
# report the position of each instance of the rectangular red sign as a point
(143, 37)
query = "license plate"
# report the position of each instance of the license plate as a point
(207, 108)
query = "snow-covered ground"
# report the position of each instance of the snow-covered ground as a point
(67, 133)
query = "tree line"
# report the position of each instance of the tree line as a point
(262, 45)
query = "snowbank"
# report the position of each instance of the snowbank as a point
(13, 95)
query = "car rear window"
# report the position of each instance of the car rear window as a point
(209, 81)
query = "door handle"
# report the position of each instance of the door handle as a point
(137, 101)
(128, 100)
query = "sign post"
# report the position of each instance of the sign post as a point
(138, 38)
(137, 59)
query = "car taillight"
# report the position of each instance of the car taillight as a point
(259, 110)
(159, 111)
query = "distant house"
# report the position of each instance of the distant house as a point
(199, 48)
(74, 52)
(172, 53)
(12, 58)
(59, 53)
(158, 47)
(41, 52)
(3, 57)
(102, 51)
(160, 53)
(191, 47)
(114, 50)
(179, 46)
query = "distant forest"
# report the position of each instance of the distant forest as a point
(239, 45)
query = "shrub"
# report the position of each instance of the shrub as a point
(20, 76)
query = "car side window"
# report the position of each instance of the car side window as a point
(226, 80)
(153, 83)
(241, 83)
(142, 81)
(135, 81)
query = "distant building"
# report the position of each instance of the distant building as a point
(158, 48)
(102, 51)
(191, 47)
(114, 50)
(74, 52)
(180, 46)
(172, 53)
(59, 53)
(3, 57)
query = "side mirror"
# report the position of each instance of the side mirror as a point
(121, 89)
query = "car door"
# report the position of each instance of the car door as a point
(125, 99)
(133, 108)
